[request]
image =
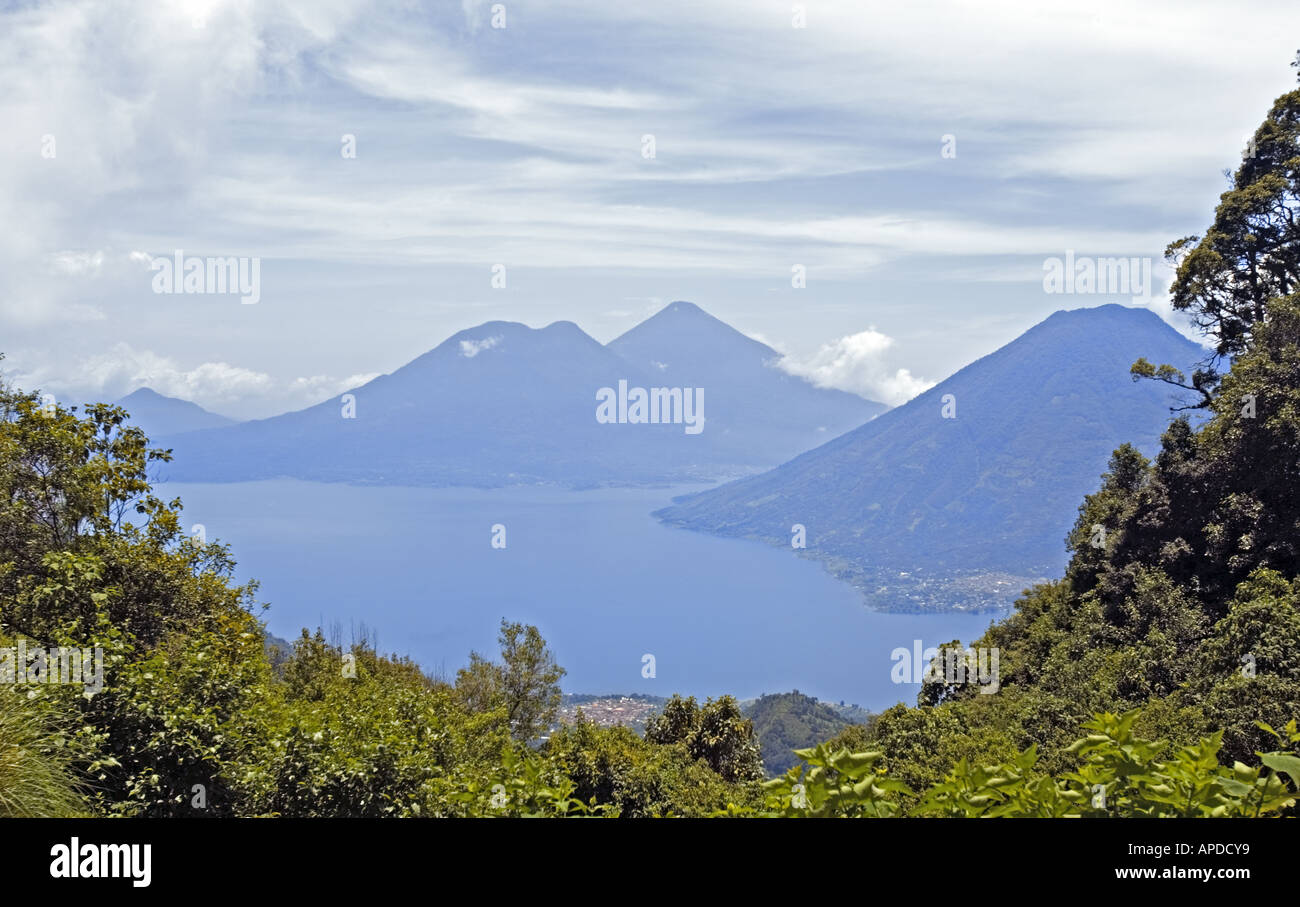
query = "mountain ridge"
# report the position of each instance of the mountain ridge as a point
(922, 512)
(502, 403)
(161, 414)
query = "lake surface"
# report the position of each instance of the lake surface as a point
(604, 582)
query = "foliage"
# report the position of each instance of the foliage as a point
(1120, 775)
(197, 718)
(638, 777)
(526, 683)
(1250, 255)
(37, 776)
(784, 722)
(834, 784)
(717, 733)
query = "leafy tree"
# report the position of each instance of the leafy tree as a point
(640, 778)
(677, 722)
(526, 683)
(1250, 256)
(186, 726)
(530, 682)
(725, 740)
(717, 733)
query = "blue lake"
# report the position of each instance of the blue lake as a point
(604, 582)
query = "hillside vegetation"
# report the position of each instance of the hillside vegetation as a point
(785, 722)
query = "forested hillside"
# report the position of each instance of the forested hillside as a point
(785, 722)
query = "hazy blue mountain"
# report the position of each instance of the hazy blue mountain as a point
(504, 404)
(498, 404)
(160, 415)
(923, 512)
(753, 405)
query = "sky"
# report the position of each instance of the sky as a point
(917, 163)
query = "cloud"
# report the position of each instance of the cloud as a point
(471, 348)
(322, 387)
(23, 305)
(214, 126)
(122, 369)
(77, 263)
(564, 145)
(855, 363)
(219, 386)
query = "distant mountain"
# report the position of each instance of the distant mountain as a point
(753, 405)
(160, 415)
(504, 404)
(785, 722)
(498, 404)
(923, 512)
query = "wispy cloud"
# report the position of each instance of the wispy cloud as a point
(214, 385)
(216, 126)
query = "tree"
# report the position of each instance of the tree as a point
(91, 559)
(479, 684)
(725, 740)
(640, 778)
(82, 537)
(526, 683)
(718, 734)
(1249, 256)
(676, 723)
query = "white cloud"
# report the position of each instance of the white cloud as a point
(471, 348)
(855, 363)
(219, 386)
(123, 368)
(322, 387)
(214, 125)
